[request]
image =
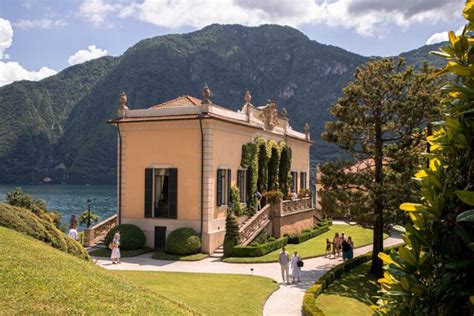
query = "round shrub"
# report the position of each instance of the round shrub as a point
(183, 241)
(131, 236)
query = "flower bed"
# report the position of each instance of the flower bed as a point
(260, 250)
(310, 307)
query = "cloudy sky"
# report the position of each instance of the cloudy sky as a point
(41, 37)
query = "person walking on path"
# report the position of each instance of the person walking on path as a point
(346, 248)
(115, 256)
(350, 254)
(335, 245)
(295, 267)
(328, 248)
(73, 233)
(284, 261)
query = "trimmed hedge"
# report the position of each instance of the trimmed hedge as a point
(260, 250)
(131, 236)
(297, 239)
(26, 222)
(310, 307)
(183, 241)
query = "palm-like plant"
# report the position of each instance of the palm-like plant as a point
(88, 217)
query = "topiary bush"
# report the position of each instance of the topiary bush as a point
(131, 236)
(183, 241)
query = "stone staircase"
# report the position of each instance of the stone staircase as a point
(252, 226)
(218, 253)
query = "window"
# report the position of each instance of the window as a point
(223, 186)
(294, 181)
(242, 185)
(161, 192)
(303, 184)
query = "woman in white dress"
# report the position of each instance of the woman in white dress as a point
(295, 269)
(115, 256)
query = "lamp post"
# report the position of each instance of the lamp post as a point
(88, 213)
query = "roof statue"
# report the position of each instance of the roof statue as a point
(284, 113)
(306, 130)
(207, 94)
(122, 107)
(269, 115)
(247, 99)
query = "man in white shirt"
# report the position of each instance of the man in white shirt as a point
(284, 261)
(73, 233)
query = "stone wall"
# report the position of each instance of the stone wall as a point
(293, 223)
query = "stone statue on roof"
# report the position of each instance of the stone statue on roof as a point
(206, 94)
(269, 115)
(122, 107)
(306, 130)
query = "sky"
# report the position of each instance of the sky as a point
(39, 38)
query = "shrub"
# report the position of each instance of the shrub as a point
(183, 241)
(231, 238)
(296, 239)
(234, 205)
(273, 196)
(260, 250)
(304, 193)
(131, 236)
(26, 222)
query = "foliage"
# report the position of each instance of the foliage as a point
(304, 193)
(159, 255)
(250, 161)
(50, 282)
(285, 169)
(26, 222)
(273, 196)
(299, 238)
(273, 165)
(183, 241)
(87, 217)
(131, 236)
(39, 207)
(264, 153)
(259, 250)
(432, 274)
(106, 252)
(231, 238)
(234, 205)
(378, 120)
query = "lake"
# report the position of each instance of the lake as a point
(71, 199)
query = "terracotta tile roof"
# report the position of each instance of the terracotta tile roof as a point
(185, 100)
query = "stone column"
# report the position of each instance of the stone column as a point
(89, 237)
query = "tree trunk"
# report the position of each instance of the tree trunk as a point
(376, 267)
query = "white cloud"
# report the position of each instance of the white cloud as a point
(368, 17)
(441, 36)
(6, 37)
(83, 55)
(40, 23)
(13, 71)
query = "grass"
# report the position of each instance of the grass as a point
(36, 278)
(352, 292)
(210, 294)
(315, 246)
(167, 256)
(106, 252)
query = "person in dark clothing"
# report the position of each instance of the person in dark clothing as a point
(346, 250)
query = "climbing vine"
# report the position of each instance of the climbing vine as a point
(273, 166)
(284, 169)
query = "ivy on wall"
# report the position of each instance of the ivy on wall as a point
(264, 155)
(285, 168)
(250, 161)
(273, 165)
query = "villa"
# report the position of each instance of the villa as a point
(178, 160)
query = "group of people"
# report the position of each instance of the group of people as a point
(340, 244)
(285, 263)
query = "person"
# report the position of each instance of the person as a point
(343, 237)
(295, 268)
(284, 261)
(346, 246)
(73, 233)
(351, 250)
(259, 196)
(294, 196)
(328, 247)
(115, 256)
(335, 245)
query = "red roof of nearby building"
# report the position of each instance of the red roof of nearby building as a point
(185, 100)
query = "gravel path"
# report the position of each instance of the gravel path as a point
(287, 300)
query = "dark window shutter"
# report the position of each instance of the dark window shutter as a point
(219, 188)
(229, 175)
(148, 192)
(173, 192)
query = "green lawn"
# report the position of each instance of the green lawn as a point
(105, 252)
(210, 294)
(352, 292)
(315, 246)
(167, 256)
(36, 278)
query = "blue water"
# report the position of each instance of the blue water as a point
(71, 199)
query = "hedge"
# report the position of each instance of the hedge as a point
(183, 241)
(260, 250)
(297, 239)
(131, 236)
(310, 307)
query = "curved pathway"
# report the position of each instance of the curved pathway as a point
(287, 300)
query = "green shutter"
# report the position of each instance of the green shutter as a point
(148, 192)
(219, 187)
(229, 175)
(173, 192)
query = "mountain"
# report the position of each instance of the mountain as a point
(56, 127)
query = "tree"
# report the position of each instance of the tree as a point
(381, 114)
(88, 217)
(432, 273)
(231, 238)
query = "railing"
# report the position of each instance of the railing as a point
(97, 232)
(291, 206)
(255, 225)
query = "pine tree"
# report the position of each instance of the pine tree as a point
(231, 238)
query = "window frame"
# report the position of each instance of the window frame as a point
(223, 182)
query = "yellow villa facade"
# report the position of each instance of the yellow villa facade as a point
(177, 161)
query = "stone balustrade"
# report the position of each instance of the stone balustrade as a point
(255, 225)
(97, 232)
(292, 206)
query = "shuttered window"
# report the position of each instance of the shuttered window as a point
(294, 181)
(161, 193)
(223, 186)
(242, 184)
(148, 193)
(303, 183)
